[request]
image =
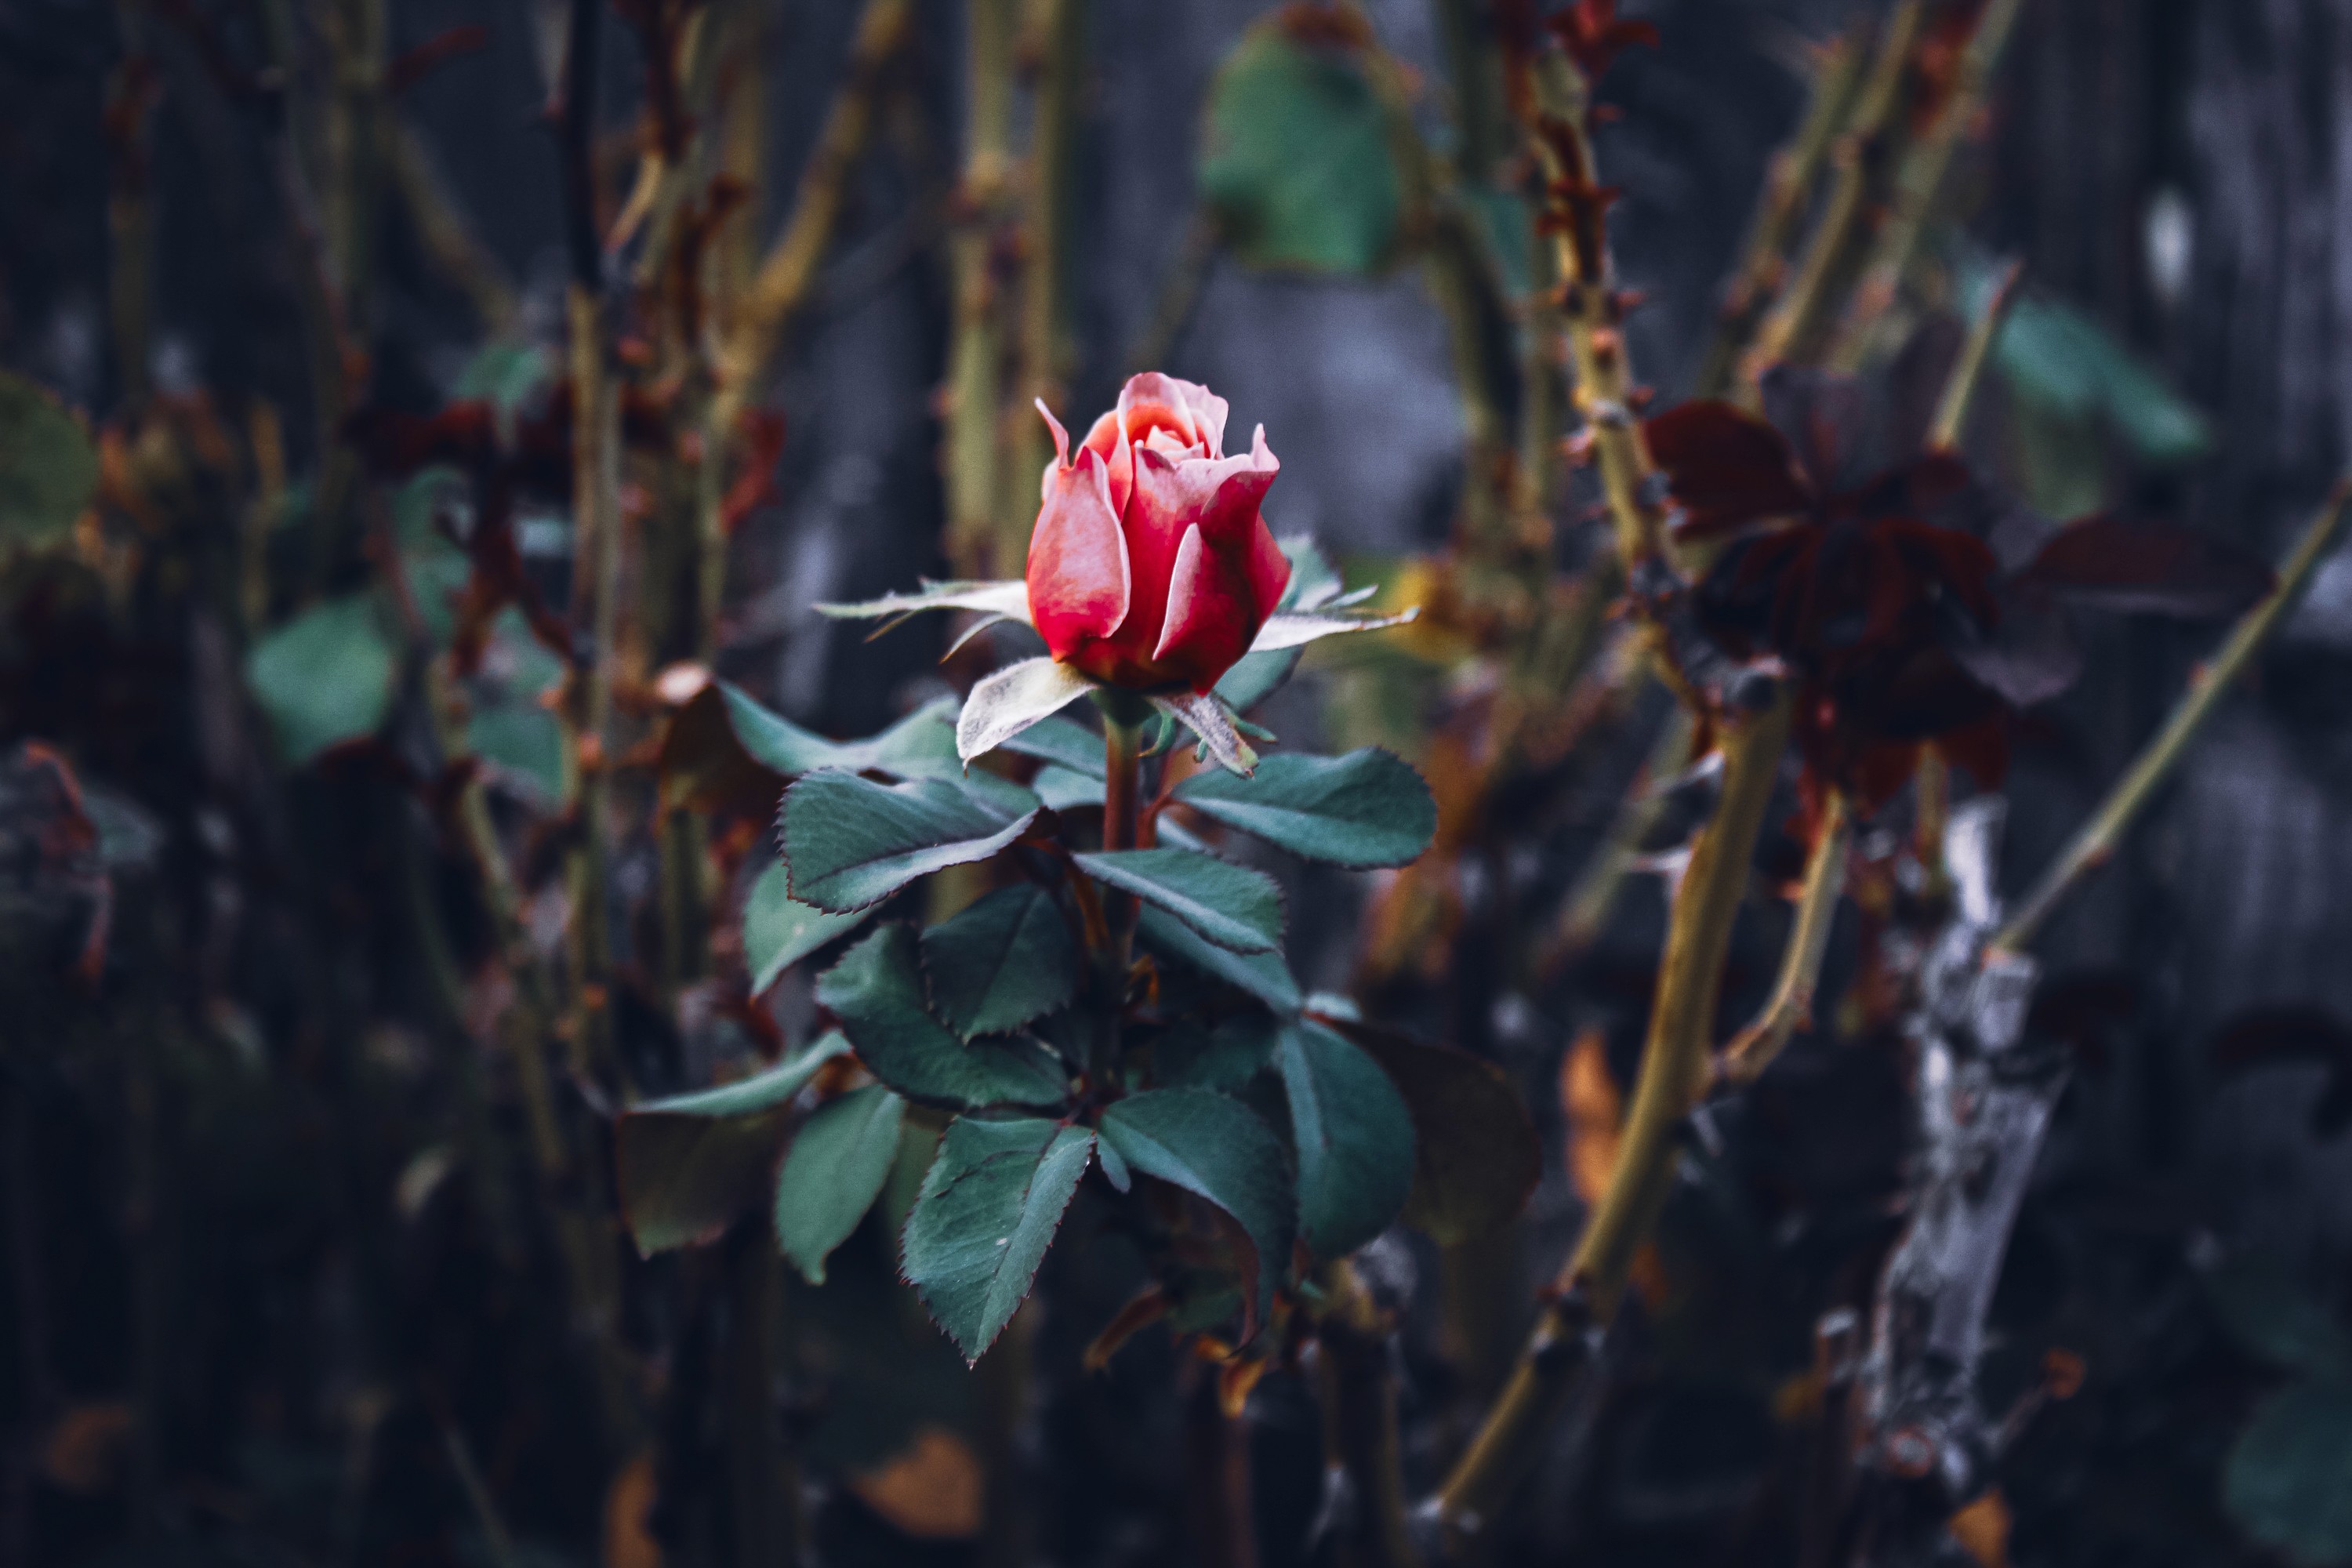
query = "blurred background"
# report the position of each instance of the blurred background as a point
(274, 1291)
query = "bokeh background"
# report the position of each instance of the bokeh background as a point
(221, 1241)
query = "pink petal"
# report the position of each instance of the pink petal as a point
(1079, 575)
(1061, 452)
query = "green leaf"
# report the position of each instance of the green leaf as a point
(1264, 976)
(48, 469)
(1005, 960)
(2064, 364)
(505, 373)
(1215, 1147)
(1299, 160)
(850, 842)
(1065, 743)
(838, 1162)
(920, 745)
(523, 741)
(2267, 1317)
(1192, 1054)
(1367, 808)
(689, 1165)
(1230, 905)
(988, 1209)
(1353, 1135)
(2288, 1482)
(324, 677)
(1476, 1157)
(1064, 790)
(778, 931)
(877, 992)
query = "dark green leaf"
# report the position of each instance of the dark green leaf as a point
(1065, 743)
(877, 992)
(1192, 1054)
(1233, 907)
(920, 745)
(1475, 1154)
(1006, 960)
(690, 1164)
(1299, 161)
(1353, 1135)
(2289, 1479)
(48, 469)
(838, 1162)
(850, 842)
(778, 931)
(2066, 364)
(1062, 789)
(1217, 1148)
(1367, 808)
(988, 1209)
(324, 677)
(1258, 677)
(1265, 975)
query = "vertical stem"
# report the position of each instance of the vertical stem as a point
(1360, 1440)
(976, 354)
(1044, 254)
(130, 208)
(1217, 1508)
(764, 1536)
(1960, 387)
(1123, 816)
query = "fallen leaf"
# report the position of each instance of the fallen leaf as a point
(84, 1449)
(629, 1505)
(1983, 1530)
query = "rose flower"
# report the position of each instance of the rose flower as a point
(1150, 567)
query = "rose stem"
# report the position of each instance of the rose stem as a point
(2092, 847)
(1674, 1071)
(787, 271)
(1360, 1422)
(1959, 389)
(1753, 1049)
(1788, 195)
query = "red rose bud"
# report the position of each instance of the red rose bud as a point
(1150, 567)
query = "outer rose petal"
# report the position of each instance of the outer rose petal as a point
(1110, 441)
(1080, 578)
(1211, 614)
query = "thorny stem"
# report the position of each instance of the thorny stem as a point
(1801, 331)
(1674, 1076)
(449, 240)
(1586, 910)
(2095, 842)
(1919, 179)
(1594, 315)
(1360, 1446)
(1959, 389)
(1787, 191)
(788, 272)
(1792, 1002)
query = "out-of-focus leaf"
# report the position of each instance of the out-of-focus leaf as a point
(324, 677)
(1265, 975)
(1232, 906)
(1367, 808)
(48, 469)
(1298, 161)
(837, 1165)
(1476, 1157)
(850, 842)
(778, 931)
(2147, 567)
(690, 1164)
(877, 992)
(1217, 1148)
(933, 1490)
(1064, 790)
(1353, 1134)
(920, 745)
(2288, 1482)
(1006, 960)
(2063, 362)
(505, 374)
(989, 1208)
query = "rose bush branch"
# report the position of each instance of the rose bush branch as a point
(2096, 841)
